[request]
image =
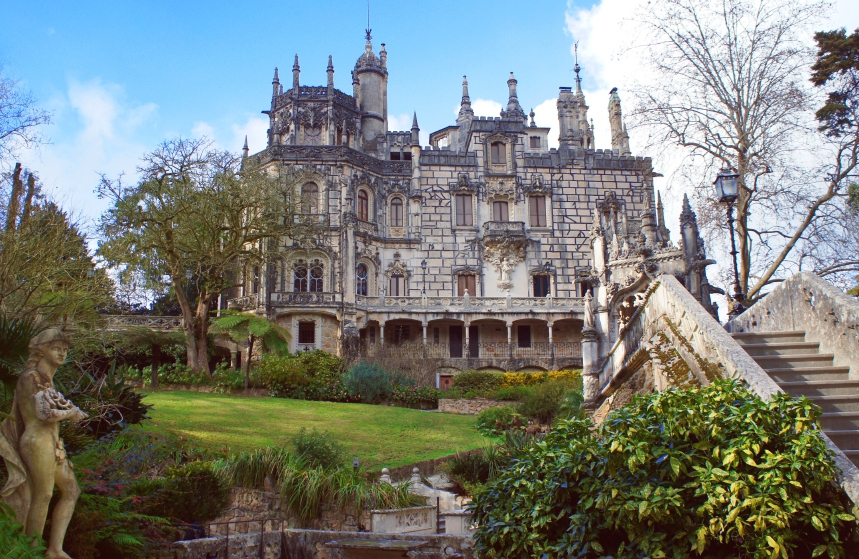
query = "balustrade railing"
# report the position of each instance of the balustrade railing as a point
(117, 322)
(475, 350)
(302, 298)
(504, 228)
(475, 303)
(245, 302)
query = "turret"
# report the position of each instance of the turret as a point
(573, 117)
(514, 110)
(466, 113)
(296, 70)
(245, 149)
(415, 131)
(371, 76)
(688, 230)
(648, 221)
(619, 136)
(330, 74)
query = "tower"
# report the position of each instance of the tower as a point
(514, 110)
(573, 117)
(619, 136)
(370, 79)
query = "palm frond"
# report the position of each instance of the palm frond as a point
(259, 327)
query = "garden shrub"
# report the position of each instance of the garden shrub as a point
(414, 395)
(511, 379)
(281, 374)
(544, 401)
(702, 472)
(190, 492)
(494, 421)
(472, 470)
(319, 449)
(479, 382)
(368, 382)
(512, 393)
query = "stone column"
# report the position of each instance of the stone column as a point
(234, 360)
(509, 339)
(551, 343)
(467, 348)
(381, 333)
(424, 324)
(349, 258)
(590, 357)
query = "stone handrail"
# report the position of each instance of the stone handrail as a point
(118, 322)
(810, 304)
(504, 227)
(309, 298)
(702, 343)
(518, 304)
(245, 302)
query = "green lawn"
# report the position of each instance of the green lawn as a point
(381, 436)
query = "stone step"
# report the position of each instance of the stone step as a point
(800, 374)
(836, 403)
(744, 338)
(839, 420)
(790, 348)
(794, 361)
(821, 387)
(845, 439)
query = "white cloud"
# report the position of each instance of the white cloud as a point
(106, 127)
(201, 129)
(255, 129)
(400, 123)
(546, 114)
(485, 107)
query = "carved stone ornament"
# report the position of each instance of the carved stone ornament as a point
(35, 457)
(397, 266)
(504, 255)
(537, 185)
(463, 184)
(501, 187)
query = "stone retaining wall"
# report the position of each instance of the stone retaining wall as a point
(469, 407)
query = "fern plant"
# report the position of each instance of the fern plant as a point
(243, 327)
(14, 544)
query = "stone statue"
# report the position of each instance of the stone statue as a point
(506, 268)
(30, 444)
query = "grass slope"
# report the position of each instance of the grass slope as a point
(380, 436)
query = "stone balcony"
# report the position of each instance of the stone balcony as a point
(470, 304)
(305, 299)
(498, 230)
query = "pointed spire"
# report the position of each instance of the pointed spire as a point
(514, 110)
(383, 56)
(330, 72)
(245, 149)
(465, 110)
(687, 216)
(415, 130)
(275, 84)
(577, 69)
(660, 210)
(296, 70)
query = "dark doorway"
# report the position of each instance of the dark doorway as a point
(455, 337)
(473, 341)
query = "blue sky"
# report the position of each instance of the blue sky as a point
(122, 76)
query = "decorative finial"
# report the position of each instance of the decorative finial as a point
(276, 79)
(368, 30)
(577, 68)
(246, 142)
(415, 121)
(532, 115)
(330, 63)
(295, 64)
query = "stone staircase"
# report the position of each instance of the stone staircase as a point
(800, 369)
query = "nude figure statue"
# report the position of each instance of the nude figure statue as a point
(31, 446)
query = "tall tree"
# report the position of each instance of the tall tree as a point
(248, 328)
(20, 119)
(729, 90)
(193, 216)
(46, 270)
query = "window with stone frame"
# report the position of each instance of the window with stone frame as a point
(299, 277)
(500, 211)
(464, 210)
(363, 205)
(466, 282)
(317, 281)
(397, 285)
(498, 152)
(307, 332)
(255, 280)
(537, 207)
(523, 332)
(541, 285)
(396, 214)
(535, 142)
(362, 276)
(310, 198)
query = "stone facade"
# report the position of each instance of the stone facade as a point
(476, 248)
(469, 407)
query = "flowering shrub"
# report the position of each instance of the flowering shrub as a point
(414, 395)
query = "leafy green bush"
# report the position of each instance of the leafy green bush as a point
(319, 449)
(14, 544)
(414, 395)
(227, 379)
(512, 393)
(481, 382)
(544, 401)
(281, 374)
(494, 421)
(190, 492)
(174, 373)
(368, 382)
(713, 472)
(111, 403)
(471, 470)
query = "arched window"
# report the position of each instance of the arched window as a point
(299, 277)
(309, 198)
(363, 206)
(397, 212)
(397, 286)
(317, 283)
(361, 279)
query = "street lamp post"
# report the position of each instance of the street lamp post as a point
(727, 191)
(424, 267)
